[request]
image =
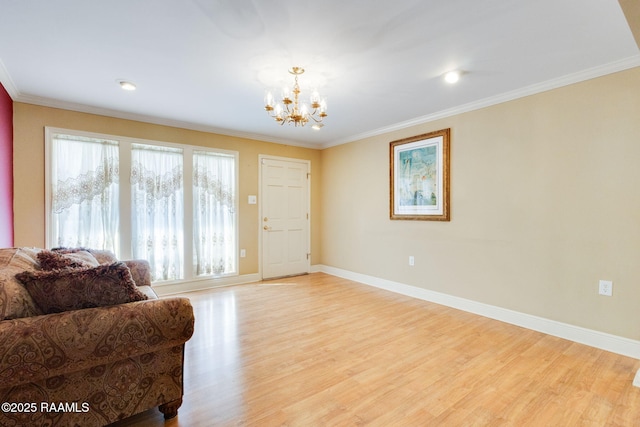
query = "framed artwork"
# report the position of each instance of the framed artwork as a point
(419, 173)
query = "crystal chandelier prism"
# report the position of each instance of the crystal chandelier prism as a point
(290, 110)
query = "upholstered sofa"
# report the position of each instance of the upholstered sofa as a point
(90, 364)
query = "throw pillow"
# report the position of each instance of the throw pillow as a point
(15, 301)
(72, 289)
(103, 257)
(54, 260)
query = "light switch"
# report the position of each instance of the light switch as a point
(253, 200)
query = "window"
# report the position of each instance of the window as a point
(84, 192)
(157, 214)
(173, 205)
(214, 213)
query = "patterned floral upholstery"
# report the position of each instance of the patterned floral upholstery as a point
(95, 365)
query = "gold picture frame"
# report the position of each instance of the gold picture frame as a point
(419, 177)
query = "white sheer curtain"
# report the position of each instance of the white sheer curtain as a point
(157, 209)
(214, 235)
(84, 193)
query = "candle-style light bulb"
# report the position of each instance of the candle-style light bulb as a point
(286, 94)
(315, 99)
(323, 107)
(268, 101)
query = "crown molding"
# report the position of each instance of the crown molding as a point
(82, 108)
(7, 82)
(591, 73)
(588, 74)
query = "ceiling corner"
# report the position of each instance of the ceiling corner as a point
(7, 82)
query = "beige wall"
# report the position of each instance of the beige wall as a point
(544, 203)
(29, 124)
(631, 9)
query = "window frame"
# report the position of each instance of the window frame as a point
(124, 148)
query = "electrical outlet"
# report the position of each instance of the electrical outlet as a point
(605, 288)
(412, 261)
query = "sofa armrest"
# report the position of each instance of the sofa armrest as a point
(140, 271)
(35, 348)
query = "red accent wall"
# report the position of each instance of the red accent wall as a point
(6, 169)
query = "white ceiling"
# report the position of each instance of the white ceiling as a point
(204, 64)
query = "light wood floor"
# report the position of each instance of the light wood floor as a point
(318, 350)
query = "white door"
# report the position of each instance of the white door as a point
(284, 217)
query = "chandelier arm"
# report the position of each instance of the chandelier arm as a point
(318, 118)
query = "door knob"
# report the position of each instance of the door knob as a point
(265, 219)
(267, 228)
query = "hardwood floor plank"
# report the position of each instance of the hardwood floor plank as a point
(318, 350)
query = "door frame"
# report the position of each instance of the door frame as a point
(262, 157)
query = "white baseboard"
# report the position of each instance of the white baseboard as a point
(202, 284)
(601, 340)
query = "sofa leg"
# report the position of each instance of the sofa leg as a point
(170, 409)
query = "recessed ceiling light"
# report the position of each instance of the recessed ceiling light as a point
(452, 76)
(126, 85)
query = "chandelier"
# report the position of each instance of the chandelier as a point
(290, 110)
